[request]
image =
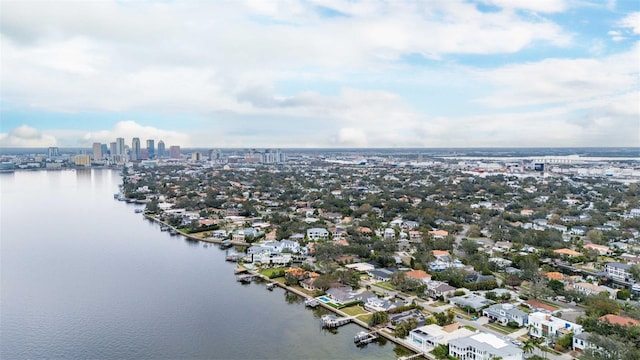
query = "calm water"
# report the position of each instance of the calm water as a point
(83, 276)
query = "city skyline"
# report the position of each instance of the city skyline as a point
(321, 74)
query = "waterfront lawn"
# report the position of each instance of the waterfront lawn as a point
(365, 317)
(354, 310)
(273, 273)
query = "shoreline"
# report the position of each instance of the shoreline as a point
(305, 296)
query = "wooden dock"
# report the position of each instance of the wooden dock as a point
(364, 337)
(332, 321)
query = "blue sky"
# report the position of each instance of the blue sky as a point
(321, 73)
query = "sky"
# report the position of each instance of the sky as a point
(321, 73)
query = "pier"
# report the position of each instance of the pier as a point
(364, 337)
(332, 321)
(311, 302)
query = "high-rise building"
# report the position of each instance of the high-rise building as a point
(151, 149)
(112, 149)
(105, 150)
(135, 149)
(196, 156)
(54, 151)
(161, 151)
(82, 160)
(120, 146)
(174, 152)
(97, 151)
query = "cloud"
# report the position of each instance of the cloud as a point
(553, 81)
(25, 136)
(631, 22)
(351, 137)
(115, 56)
(543, 6)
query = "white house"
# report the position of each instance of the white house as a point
(617, 271)
(317, 234)
(483, 346)
(429, 336)
(545, 325)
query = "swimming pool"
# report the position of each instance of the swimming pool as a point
(324, 299)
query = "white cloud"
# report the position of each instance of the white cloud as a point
(543, 6)
(552, 81)
(26, 136)
(631, 22)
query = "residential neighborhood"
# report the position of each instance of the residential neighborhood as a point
(463, 258)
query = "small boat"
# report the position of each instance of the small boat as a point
(233, 257)
(311, 302)
(138, 211)
(245, 279)
(173, 232)
(270, 286)
(225, 244)
(164, 228)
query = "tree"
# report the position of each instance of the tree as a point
(379, 317)
(555, 285)
(440, 351)
(528, 346)
(623, 294)
(600, 304)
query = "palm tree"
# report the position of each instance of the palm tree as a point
(528, 346)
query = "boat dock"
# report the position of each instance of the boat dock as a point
(364, 337)
(240, 270)
(332, 321)
(270, 286)
(245, 279)
(311, 302)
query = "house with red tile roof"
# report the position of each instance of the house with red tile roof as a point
(420, 275)
(619, 320)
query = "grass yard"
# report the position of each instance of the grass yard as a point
(385, 285)
(354, 310)
(500, 328)
(272, 272)
(365, 317)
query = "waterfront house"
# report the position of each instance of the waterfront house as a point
(343, 294)
(405, 316)
(505, 313)
(427, 337)
(309, 284)
(483, 346)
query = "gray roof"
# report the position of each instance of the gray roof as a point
(582, 336)
(619, 265)
(471, 300)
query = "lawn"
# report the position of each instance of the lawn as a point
(273, 272)
(354, 310)
(500, 328)
(365, 317)
(385, 285)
